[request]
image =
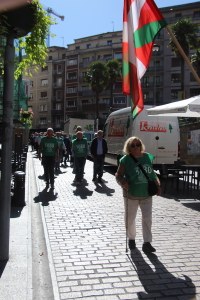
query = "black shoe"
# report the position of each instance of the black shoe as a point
(100, 180)
(148, 248)
(131, 244)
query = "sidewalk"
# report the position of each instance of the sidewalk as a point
(85, 239)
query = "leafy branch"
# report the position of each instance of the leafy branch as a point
(34, 44)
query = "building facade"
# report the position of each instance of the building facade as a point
(59, 91)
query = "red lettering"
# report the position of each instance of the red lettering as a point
(152, 127)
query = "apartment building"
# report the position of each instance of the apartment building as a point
(59, 91)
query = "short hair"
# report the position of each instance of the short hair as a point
(127, 144)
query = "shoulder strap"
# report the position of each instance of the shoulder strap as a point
(140, 166)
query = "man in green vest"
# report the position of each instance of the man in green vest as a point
(49, 150)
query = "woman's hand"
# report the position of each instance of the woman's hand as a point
(125, 186)
(159, 191)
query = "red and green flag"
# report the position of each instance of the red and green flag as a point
(142, 21)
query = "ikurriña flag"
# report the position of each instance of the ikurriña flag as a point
(142, 21)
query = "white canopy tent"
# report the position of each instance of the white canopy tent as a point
(189, 108)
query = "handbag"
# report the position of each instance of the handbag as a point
(152, 186)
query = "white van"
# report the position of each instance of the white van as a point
(161, 135)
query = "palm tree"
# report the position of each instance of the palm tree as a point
(186, 33)
(195, 60)
(97, 76)
(114, 73)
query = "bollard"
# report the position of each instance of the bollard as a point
(19, 189)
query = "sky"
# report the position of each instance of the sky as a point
(89, 17)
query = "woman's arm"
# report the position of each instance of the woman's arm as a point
(120, 177)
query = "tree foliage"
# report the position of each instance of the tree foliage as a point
(114, 72)
(97, 76)
(195, 60)
(186, 33)
(33, 44)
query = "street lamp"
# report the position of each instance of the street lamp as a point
(156, 48)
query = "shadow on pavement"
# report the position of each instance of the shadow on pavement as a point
(159, 280)
(83, 192)
(102, 188)
(2, 266)
(45, 197)
(15, 212)
(193, 205)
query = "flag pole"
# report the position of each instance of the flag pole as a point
(174, 39)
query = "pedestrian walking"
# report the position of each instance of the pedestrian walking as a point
(98, 151)
(68, 151)
(135, 190)
(80, 151)
(49, 153)
(61, 148)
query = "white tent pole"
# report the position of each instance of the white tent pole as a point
(183, 54)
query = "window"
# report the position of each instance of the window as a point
(59, 69)
(71, 103)
(107, 57)
(59, 95)
(178, 15)
(77, 48)
(31, 83)
(44, 68)
(43, 94)
(119, 100)
(85, 102)
(88, 46)
(194, 92)
(86, 59)
(109, 43)
(176, 78)
(58, 120)
(59, 82)
(44, 82)
(175, 94)
(71, 75)
(31, 96)
(58, 106)
(84, 88)
(145, 81)
(175, 62)
(71, 90)
(43, 121)
(118, 56)
(196, 14)
(43, 107)
(105, 101)
(72, 62)
(50, 57)
(63, 56)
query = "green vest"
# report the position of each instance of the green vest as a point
(138, 185)
(49, 146)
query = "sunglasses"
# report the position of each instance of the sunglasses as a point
(136, 145)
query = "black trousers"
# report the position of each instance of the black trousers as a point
(48, 164)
